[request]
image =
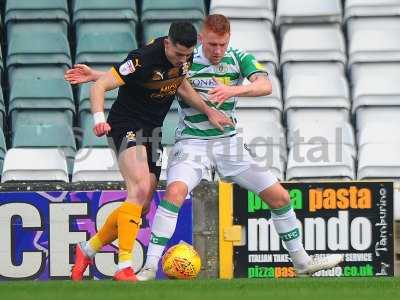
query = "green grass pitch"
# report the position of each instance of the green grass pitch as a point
(296, 289)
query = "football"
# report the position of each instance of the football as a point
(181, 261)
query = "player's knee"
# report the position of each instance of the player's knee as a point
(176, 193)
(279, 198)
(142, 188)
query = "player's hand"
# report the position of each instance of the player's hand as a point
(218, 119)
(221, 92)
(101, 129)
(79, 74)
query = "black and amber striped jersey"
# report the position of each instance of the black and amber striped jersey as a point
(149, 85)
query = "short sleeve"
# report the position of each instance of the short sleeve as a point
(248, 64)
(129, 69)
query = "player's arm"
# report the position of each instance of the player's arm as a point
(250, 68)
(259, 85)
(106, 82)
(81, 73)
(192, 98)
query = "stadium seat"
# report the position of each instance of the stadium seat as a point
(255, 37)
(374, 45)
(371, 8)
(270, 157)
(379, 161)
(38, 11)
(38, 47)
(328, 70)
(238, 9)
(84, 96)
(257, 109)
(104, 42)
(46, 136)
(296, 117)
(317, 133)
(157, 15)
(329, 161)
(41, 102)
(376, 85)
(314, 131)
(34, 165)
(3, 149)
(153, 30)
(96, 165)
(379, 133)
(35, 72)
(169, 10)
(261, 132)
(367, 115)
(304, 91)
(291, 12)
(313, 44)
(266, 142)
(84, 113)
(116, 10)
(87, 138)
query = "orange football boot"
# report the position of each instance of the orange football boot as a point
(125, 274)
(82, 261)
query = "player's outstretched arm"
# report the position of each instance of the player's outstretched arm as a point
(81, 73)
(259, 86)
(192, 98)
(105, 83)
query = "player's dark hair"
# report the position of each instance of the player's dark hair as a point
(183, 33)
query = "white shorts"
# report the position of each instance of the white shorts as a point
(192, 159)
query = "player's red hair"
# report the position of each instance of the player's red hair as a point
(218, 24)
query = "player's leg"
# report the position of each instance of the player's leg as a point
(265, 184)
(183, 177)
(241, 168)
(135, 171)
(85, 251)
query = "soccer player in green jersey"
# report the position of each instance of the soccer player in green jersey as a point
(217, 74)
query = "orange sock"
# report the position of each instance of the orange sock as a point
(129, 219)
(107, 233)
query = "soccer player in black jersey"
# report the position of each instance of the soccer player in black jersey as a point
(148, 80)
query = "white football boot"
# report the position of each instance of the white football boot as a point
(318, 264)
(146, 274)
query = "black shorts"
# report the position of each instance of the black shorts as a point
(121, 138)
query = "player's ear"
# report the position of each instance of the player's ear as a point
(167, 42)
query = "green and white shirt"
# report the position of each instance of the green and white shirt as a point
(235, 66)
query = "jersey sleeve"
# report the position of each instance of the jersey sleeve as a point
(129, 69)
(248, 64)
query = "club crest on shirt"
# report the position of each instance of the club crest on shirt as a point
(222, 69)
(127, 68)
(130, 136)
